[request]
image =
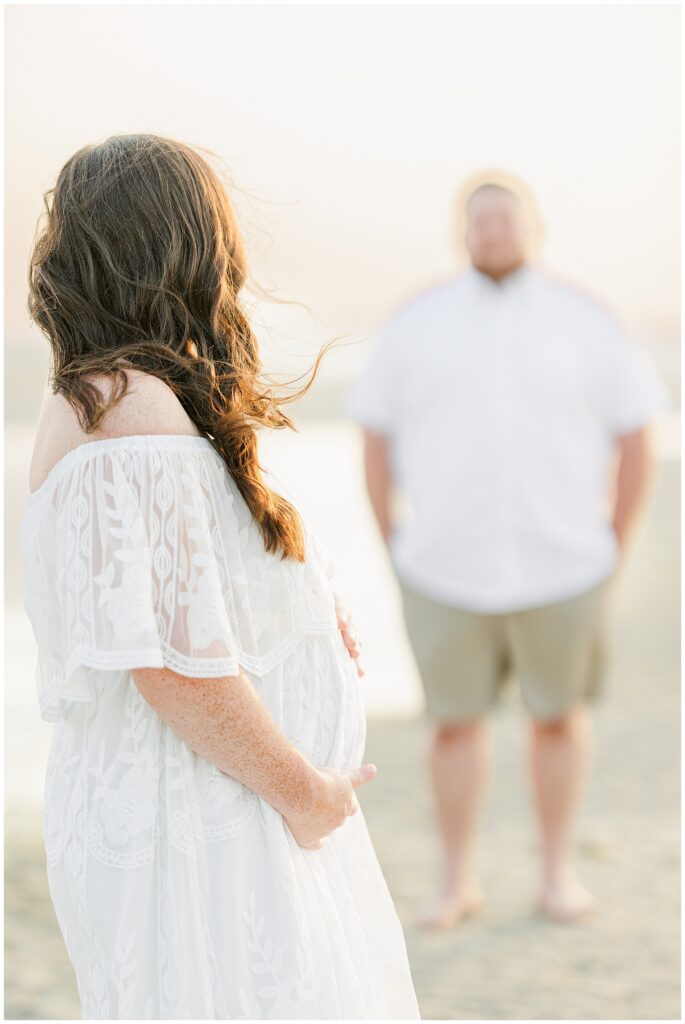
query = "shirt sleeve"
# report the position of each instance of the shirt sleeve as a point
(630, 391)
(374, 399)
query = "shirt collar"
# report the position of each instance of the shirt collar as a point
(519, 279)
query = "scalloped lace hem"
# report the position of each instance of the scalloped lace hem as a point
(165, 656)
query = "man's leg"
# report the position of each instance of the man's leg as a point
(461, 658)
(460, 760)
(560, 752)
(560, 655)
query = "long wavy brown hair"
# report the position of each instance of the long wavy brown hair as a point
(140, 265)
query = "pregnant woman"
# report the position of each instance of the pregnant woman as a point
(206, 853)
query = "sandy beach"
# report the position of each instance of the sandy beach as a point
(505, 964)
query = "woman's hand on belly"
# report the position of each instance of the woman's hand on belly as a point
(349, 635)
(336, 803)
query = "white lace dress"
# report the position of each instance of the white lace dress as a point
(181, 893)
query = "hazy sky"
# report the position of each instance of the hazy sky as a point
(351, 127)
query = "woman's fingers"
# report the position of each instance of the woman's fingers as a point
(348, 631)
(354, 647)
(350, 636)
(366, 772)
(343, 615)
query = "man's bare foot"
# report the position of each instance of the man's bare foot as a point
(451, 906)
(566, 900)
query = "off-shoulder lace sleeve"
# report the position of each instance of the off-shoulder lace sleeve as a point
(131, 563)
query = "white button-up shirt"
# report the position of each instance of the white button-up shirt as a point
(501, 402)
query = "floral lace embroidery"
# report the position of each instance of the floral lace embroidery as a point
(160, 563)
(286, 992)
(166, 871)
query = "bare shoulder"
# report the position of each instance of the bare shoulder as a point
(149, 406)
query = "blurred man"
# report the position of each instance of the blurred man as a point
(514, 413)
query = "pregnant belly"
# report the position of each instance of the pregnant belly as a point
(118, 771)
(317, 701)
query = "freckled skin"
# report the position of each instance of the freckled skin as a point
(225, 721)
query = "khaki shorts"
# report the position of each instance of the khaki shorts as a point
(558, 653)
